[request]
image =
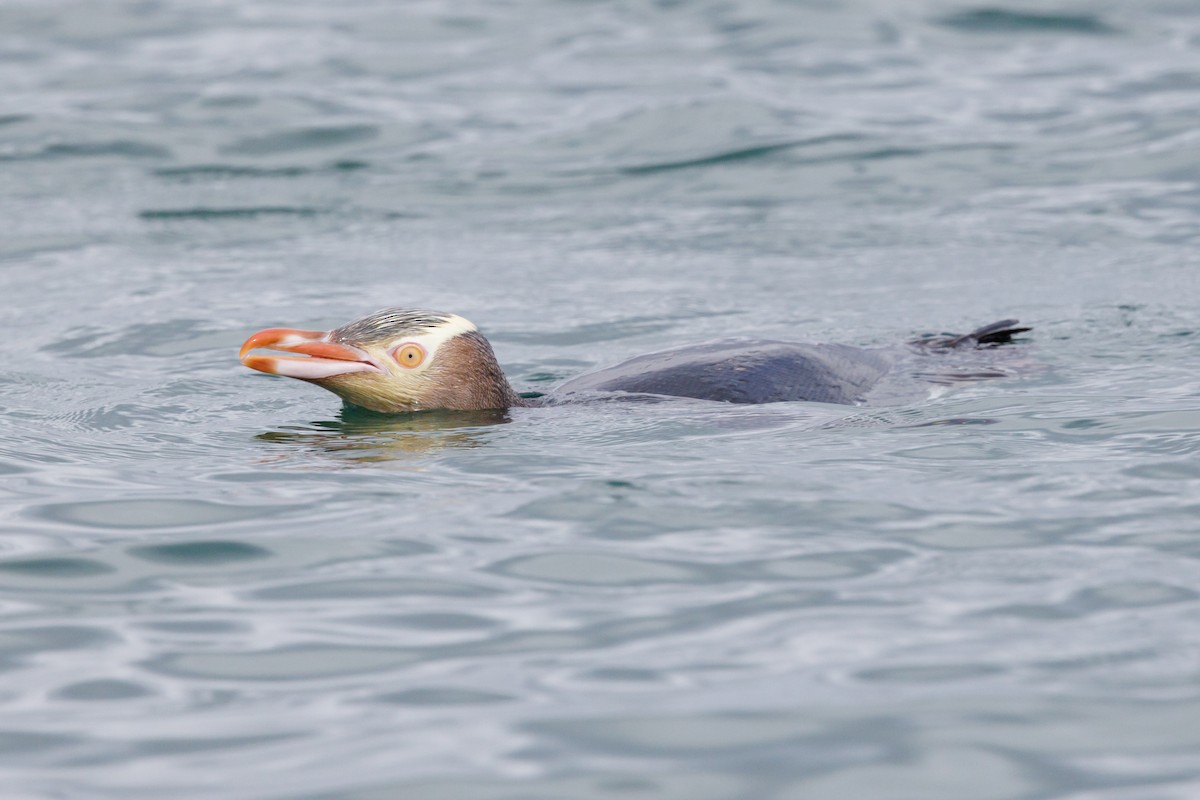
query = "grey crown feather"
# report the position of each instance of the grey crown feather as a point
(389, 323)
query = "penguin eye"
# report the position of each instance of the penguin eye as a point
(409, 355)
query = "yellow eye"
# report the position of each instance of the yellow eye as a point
(409, 355)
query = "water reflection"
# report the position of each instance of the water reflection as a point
(365, 436)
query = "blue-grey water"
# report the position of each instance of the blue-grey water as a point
(215, 583)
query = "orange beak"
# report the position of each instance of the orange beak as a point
(319, 359)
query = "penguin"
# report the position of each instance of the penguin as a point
(402, 360)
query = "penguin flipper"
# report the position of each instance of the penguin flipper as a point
(997, 333)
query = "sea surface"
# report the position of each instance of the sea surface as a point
(220, 584)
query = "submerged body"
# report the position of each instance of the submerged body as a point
(746, 372)
(403, 360)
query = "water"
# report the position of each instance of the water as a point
(217, 584)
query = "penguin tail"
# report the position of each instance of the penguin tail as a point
(997, 333)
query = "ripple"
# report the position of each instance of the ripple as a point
(1001, 20)
(102, 690)
(694, 783)
(301, 139)
(147, 514)
(205, 744)
(22, 747)
(243, 212)
(623, 675)
(674, 736)
(170, 338)
(53, 568)
(726, 157)
(1106, 660)
(1187, 470)
(433, 621)
(987, 535)
(588, 333)
(1096, 600)
(221, 172)
(619, 631)
(296, 663)
(67, 150)
(197, 627)
(372, 587)
(707, 130)
(441, 696)
(602, 569)
(29, 641)
(597, 569)
(944, 772)
(208, 553)
(856, 155)
(928, 673)
(834, 566)
(1134, 594)
(9, 468)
